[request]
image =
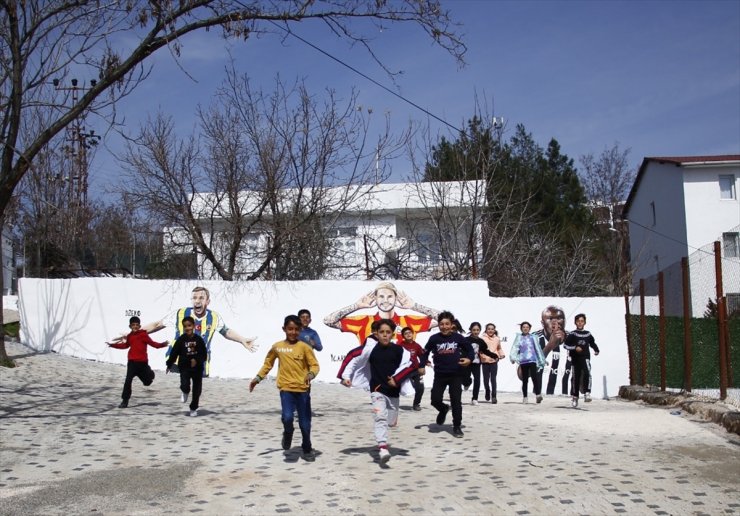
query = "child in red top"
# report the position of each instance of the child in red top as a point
(138, 361)
(416, 351)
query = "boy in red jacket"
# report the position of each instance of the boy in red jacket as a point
(138, 361)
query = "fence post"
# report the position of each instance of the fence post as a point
(630, 348)
(687, 351)
(720, 321)
(643, 336)
(661, 331)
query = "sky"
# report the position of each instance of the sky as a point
(659, 78)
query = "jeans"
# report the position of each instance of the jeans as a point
(291, 402)
(490, 371)
(530, 370)
(134, 370)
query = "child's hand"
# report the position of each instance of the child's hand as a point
(253, 384)
(579, 349)
(392, 382)
(596, 353)
(193, 363)
(347, 382)
(465, 362)
(422, 371)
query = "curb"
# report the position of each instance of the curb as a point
(714, 410)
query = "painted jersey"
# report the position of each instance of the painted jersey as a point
(360, 324)
(206, 326)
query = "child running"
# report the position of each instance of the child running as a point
(578, 344)
(297, 368)
(527, 353)
(489, 366)
(190, 353)
(452, 354)
(416, 351)
(138, 360)
(381, 368)
(480, 349)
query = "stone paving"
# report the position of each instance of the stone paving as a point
(65, 448)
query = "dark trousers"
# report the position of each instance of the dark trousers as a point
(196, 376)
(581, 376)
(418, 384)
(475, 372)
(490, 371)
(530, 370)
(454, 382)
(300, 402)
(140, 370)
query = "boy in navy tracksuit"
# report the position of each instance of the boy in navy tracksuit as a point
(190, 353)
(452, 353)
(578, 344)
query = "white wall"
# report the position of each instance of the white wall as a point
(708, 216)
(662, 184)
(75, 317)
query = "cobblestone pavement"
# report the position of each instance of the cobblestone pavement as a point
(67, 449)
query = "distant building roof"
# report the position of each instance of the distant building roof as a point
(678, 161)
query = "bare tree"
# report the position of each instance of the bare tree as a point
(43, 41)
(257, 194)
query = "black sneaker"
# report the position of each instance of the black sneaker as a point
(287, 440)
(309, 456)
(457, 432)
(442, 415)
(494, 401)
(124, 404)
(417, 408)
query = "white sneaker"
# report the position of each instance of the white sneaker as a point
(385, 455)
(574, 402)
(183, 397)
(474, 402)
(524, 400)
(587, 397)
(194, 413)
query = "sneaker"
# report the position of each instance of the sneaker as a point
(184, 397)
(539, 398)
(474, 402)
(488, 396)
(309, 456)
(574, 402)
(287, 440)
(194, 413)
(417, 408)
(587, 397)
(123, 404)
(524, 400)
(494, 401)
(442, 415)
(385, 455)
(457, 432)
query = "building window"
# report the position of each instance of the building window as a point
(652, 212)
(731, 243)
(727, 187)
(733, 304)
(346, 231)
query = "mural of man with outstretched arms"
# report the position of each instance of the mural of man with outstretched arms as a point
(386, 297)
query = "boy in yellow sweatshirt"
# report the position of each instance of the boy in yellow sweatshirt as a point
(297, 367)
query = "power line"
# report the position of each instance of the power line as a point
(361, 74)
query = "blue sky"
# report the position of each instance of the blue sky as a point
(658, 77)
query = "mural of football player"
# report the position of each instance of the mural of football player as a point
(207, 323)
(550, 337)
(386, 298)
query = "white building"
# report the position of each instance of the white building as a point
(375, 230)
(677, 206)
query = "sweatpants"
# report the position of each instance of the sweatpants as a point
(454, 382)
(475, 371)
(140, 370)
(581, 376)
(418, 383)
(490, 371)
(196, 375)
(385, 414)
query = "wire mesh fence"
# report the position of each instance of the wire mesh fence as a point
(683, 325)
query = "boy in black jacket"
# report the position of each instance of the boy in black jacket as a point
(452, 353)
(190, 353)
(578, 343)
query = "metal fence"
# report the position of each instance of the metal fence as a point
(683, 326)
